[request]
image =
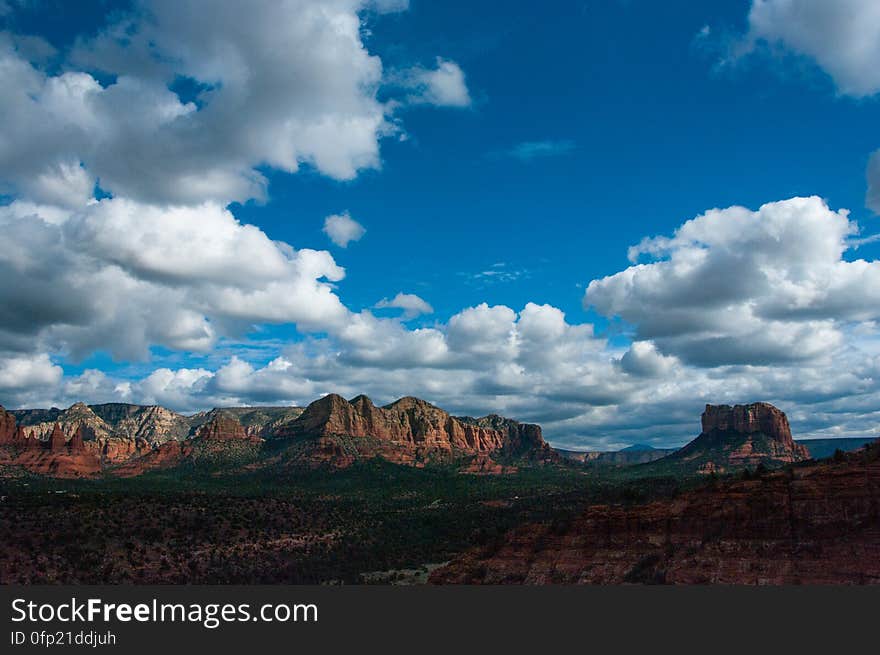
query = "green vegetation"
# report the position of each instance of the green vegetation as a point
(197, 524)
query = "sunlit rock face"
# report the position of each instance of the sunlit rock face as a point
(748, 419)
(126, 440)
(412, 430)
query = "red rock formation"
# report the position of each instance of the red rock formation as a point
(116, 451)
(330, 431)
(32, 442)
(812, 524)
(57, 441)
(734, 438)
(755, 418)
(56, 457)
(411, 430)
(334, 415)
(7, 428)
(485, 465)
(225, 428)
(518, 438)
(166, 455)
(77, 441)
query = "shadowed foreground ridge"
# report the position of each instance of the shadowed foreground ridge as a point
(814, 523)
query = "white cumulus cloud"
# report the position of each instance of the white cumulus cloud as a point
(410, 303)
(268, 84)
(342, 229)
(443, 86)
(121, 276)
(842, 36)
(736, 286)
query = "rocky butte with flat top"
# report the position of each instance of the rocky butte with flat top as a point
(735, 438)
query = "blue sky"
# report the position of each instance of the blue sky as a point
(657, 137)
(584, 127)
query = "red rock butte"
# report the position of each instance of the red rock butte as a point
(755, 418)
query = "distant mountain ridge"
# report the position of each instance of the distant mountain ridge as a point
(125, 439)
(637, 447)
(130, 439)
(822, 448)
(630, 456)
(152, 423)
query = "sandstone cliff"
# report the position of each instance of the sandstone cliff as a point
(756, 418)
(8, 428)
(120, 439)
(77, 443)
(56, 456)
(225, 427)
(166, 455)
(410, 430)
